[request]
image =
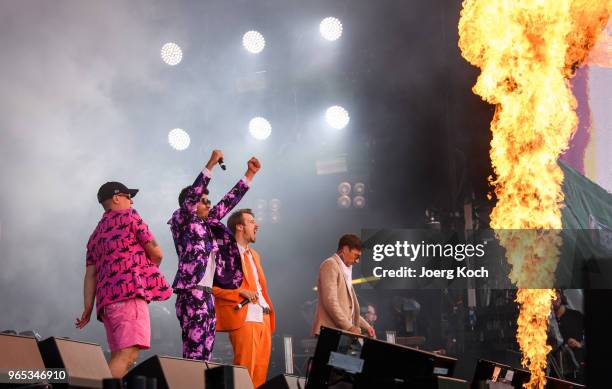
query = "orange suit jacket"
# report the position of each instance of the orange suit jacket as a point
(229, 319)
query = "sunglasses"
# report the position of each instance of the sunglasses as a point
(126, 195)
(205, 201)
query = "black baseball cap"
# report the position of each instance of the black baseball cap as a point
(112, 188)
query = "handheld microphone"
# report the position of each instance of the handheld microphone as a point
(220, 162)
(242, 304)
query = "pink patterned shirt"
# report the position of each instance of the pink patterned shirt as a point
(123, 270)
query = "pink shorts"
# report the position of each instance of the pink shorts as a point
(127, 324)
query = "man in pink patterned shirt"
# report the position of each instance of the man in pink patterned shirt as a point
(122, 274)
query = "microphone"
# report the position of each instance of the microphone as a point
(220, 162)
(242, 304)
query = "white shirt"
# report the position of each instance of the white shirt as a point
(209, 273)
(255, 310)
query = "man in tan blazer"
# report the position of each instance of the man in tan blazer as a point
(338, 306)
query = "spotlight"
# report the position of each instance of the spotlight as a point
(344, 202)
(253, 42)
(359, 188)
(179, 139)
(171, 53)
(274, 217)
(260, 128)
(359, 202)
(337, 117)
(275, 205)
(344, 188)
(261, 218)
(330, 28)
(261, 205)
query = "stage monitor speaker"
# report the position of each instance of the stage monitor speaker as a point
(179, 373)
(394, 366)
(84, 362)
(227, 377)
(171, 372)
(19, 352)
(498, 372)
(285, 381)
(449, 383)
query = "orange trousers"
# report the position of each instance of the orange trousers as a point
(252, 344)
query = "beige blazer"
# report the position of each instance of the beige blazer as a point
(335, 300)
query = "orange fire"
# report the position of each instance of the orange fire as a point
(527, 51)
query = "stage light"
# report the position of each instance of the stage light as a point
(274, 217)
(260, 128)
(261, 205)
(359, 202)
(330, 28)
(171, 53)
(275, 205)
(179, 139)
(337, 117)
(359, 188)
(253, 42)
(344, 202)
(344, 188)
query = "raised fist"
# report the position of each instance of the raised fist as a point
(254, 165)
(216, 156)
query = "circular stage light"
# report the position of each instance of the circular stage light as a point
(260, 128)
(359, 202)
(330, 28)
(337, 117)
(261, 205)
(253, 42)
(179, 139)
(275, 205)
(171, 53)
(344, 188)
(344, 202)
(359, 188)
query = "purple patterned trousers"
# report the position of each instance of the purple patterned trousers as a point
(195, 311)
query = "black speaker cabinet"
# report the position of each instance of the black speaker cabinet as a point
(84, 362)
(285, 381)
(449, 383)
(19, 352)
(227, 377)
(179, 373)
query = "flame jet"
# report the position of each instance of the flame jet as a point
(527, 52)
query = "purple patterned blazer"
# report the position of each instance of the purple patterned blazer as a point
(195, 239)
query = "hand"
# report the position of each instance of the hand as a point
(355, 330)
(254, 165)
(573, 343)
(248, 294)
(214, 158)
(371, 332)
(82, 322)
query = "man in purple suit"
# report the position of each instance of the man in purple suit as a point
(207, 254)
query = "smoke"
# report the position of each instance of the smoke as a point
(65, 131)
(85, 99)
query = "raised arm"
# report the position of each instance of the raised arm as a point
(201, 182)
(233, 197)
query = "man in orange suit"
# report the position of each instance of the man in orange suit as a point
(247, 313)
